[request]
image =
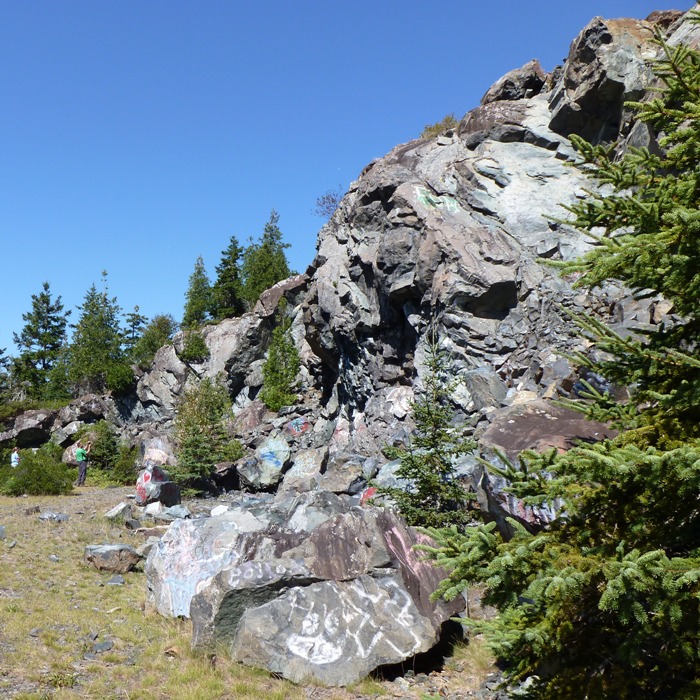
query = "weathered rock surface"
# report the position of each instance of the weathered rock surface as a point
(117, 558)
(334, 632)
(345, 586)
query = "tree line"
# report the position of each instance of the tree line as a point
(107, 343)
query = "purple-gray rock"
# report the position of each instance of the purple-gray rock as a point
(117, 558)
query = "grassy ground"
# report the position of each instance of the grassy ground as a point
(67, 632)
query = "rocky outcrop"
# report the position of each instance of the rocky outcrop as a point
(607, 66)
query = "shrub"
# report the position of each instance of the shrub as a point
(124, 470)
(40, 473)
(105, 446)
(194, 348)
(448, 122)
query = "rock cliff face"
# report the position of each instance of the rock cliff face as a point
(453, 230)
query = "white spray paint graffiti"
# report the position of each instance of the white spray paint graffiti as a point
(317, 640)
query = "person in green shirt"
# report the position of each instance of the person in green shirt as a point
(81, 457)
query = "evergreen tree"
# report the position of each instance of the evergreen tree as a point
(194, 347)
(135, 323)
(646, 236)
(157, 333)
(40, 343)
(227, 291)
(281, 368)
(603, 602)
(264, 262)
(96, 360)
(433, 495)
(197, 297)
(200, 432)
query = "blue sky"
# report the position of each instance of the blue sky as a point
(139, 134)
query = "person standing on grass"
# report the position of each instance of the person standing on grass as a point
(14, 458)
(81, 456)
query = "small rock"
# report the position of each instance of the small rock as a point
(402, 684)
(101, 647)
(54, 517)
(116, 558)
(119, 512)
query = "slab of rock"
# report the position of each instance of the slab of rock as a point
(607, 65)
(117, 558)
(540, 425)
(305, 472)
(217, 608)
(517, 84)
(334, 633)
(120, 512)
(192, 552)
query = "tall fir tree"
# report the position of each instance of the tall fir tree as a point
(265, 262)
(96, 359)
(197, 297)
(135, 323)
(40, 343)
(227, 291)
(200, 432)
(603, 601)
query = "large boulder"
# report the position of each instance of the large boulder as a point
(33, 428)
(154, 485)
(353, 589)
(517, 84)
